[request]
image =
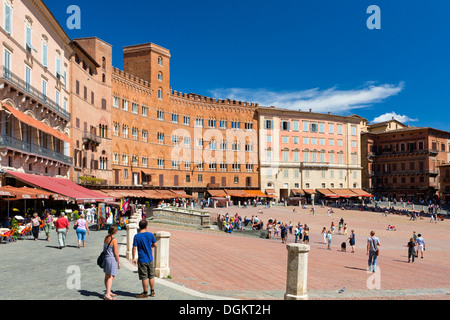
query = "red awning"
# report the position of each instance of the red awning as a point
(37, 124)
(62, 186)
(181, 194)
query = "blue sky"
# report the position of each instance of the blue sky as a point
(292, 54)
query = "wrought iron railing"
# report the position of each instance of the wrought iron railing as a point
(15, 81)
(6, 141)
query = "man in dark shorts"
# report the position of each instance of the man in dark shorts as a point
(143, 242)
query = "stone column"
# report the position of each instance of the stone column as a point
(162, 269)
(297, 272)
(131, 232)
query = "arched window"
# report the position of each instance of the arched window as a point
(160, 61)
(160, 76)
(103, 62)
(160, 93)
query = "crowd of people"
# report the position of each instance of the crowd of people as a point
(301, 233)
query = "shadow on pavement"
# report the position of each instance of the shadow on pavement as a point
(404, 261)
(354, 268)
(91, 293)
(124, 294)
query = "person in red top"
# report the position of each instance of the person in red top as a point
(62, 228)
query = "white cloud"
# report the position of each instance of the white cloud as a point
(332, 99)
(390, 115)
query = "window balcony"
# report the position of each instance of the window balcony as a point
(89, 137)
(393, 153)
(25, 88)
(431, 173)
(30, 148)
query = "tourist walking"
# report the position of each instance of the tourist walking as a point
(324, 235)
(35, 225)
(143, 243)
(112, 262)
(276, 231)
(296, 231)
(284, 231)
(82, 229)
(352, 241)
(420, 245)
(269, 230)
(332, 227)
(372, 251)
(48, 220)
(411, 249)
(62, 228)
(329, 240)
(306, 234)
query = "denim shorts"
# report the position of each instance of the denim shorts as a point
(81, 233)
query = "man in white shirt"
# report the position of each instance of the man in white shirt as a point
(88, 215)
(296, 231)
(420, 245)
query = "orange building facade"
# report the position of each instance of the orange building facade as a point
(167, 139)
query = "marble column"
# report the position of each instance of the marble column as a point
(131, 232)
(162, 269)
(297, 272)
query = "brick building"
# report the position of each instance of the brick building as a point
(168, 139)
(90, 87)
(444, 175)
(404, 163)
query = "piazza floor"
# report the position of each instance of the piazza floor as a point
(210, 264)
(252, 268)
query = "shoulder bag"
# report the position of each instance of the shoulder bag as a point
(101, 258)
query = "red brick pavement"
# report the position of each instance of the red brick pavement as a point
(218, 263)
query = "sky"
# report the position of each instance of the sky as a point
(298, 54)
